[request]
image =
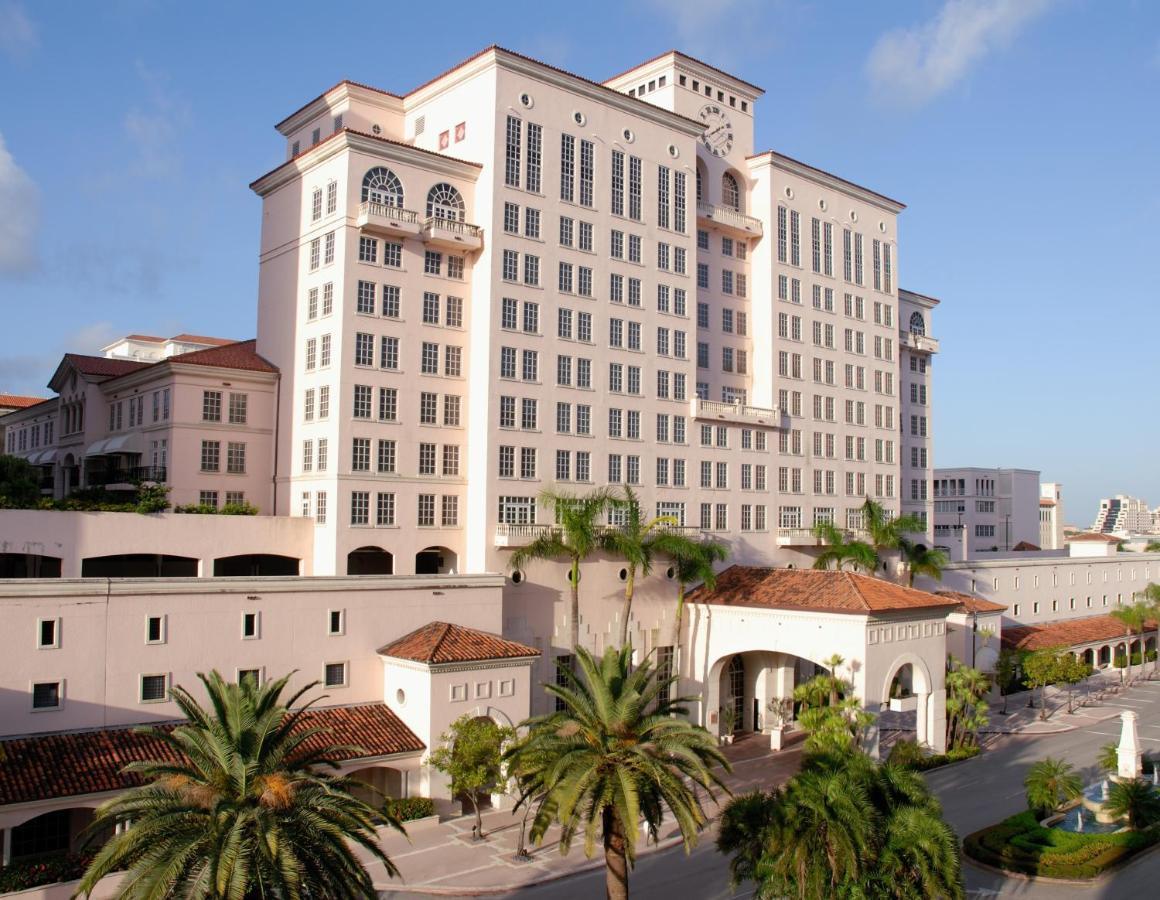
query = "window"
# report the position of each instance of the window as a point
(250, 623)
(426, 510)
(48, 634)
(512, 152)
(154, 688)
(211, 406)
(334, 674)
(238, 403)
(47, 695)
(445, 202)
(211, 456)
(730, 193)
(381, 185)
(236, 458)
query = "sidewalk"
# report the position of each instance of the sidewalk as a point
(441, 858)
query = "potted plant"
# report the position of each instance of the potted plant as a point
(780, 714)
(728, 721)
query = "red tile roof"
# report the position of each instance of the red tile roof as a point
(442, 642)
(825, 591)
(1067, 634)
(236, 355)
(1026, 545)
(1046, 501)
(16, 401)
(102, 366)
(202, 339)
(68, 764)
(971, 603)
(152, 338)
(1093, 538)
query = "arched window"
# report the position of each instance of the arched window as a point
(917, 323)
(730, 193)
(700, 189)
(381, 185)
(445, 202)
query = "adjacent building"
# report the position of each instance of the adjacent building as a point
(1123, 515)
(979, 511)
(1051, 516)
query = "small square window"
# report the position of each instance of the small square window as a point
(48, 634)
(155, 630)
(154, 688)
(336, 621)
(47, 695)
(334, 675)
(250, 625)
(254, 674)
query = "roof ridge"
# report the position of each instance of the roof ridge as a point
(856, 585)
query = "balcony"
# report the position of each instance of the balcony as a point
(510, 535)
(129, 477)
(734, 412)
(918, 343)
(730, 220)
(451, 234)
(392, 221)
(805, 537)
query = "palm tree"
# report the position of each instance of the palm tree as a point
(886, 532)
(845, 826)
(576, 537)
(839, 551)
(1152, 599)
(1050, 783)
(1136, 800)
(694, 565)
(1134, 618)
(638, 540)
(921, 560)
(1109, 758)
(247, 810)
(617, 752)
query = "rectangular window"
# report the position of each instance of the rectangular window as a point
(154, 688)
(426, 510)
(334, 674)
(211, 456)
(512, 152)
(236, 458)
(211, 406)
(238, 404)
(534, 158)
(567, 167)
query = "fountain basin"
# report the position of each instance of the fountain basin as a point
(1070, 821)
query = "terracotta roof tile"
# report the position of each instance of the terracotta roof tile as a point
(826, 591)
(1066, 634)
(202, 339)
(442, 642)
(1023, 546)
(103, 366)
(1092, 537)
(90, 762)
(16, 401)
(971, 603)
(236, 355)
(151, 338)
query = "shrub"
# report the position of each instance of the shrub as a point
(207, 509)
(35, 872)
(910, 755)
(408, 808)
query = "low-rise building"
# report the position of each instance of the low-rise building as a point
(982, 511)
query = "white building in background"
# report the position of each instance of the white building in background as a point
(1051, 516)
(1123, 515)
(980, 511)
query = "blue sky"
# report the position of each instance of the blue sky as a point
(1024, 136)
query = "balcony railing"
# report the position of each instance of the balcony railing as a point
(387, 219)
(805, 537)
(918, 342)
(730, 219)
(131, 475)
(513, 535)
(452, 233)
(734, 412)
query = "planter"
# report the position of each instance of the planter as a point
(904, 704)
(776, 736)
(726, 739)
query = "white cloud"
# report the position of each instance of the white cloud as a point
(20, 201)
(155, 127)
(914, 65)
(711, 29)
(18, 35)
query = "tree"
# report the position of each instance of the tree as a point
(1136, 800)
(620, 750)
(1005, 668)
(845, 826)
(1152, 547)
(470, 753)
(1134, 618)
(19, 485)
(1040, 669)
(526, 768)
(921, 560)
(837, 549)
(576, 537)
(248, 809)
(1071, 671)
(638, 540)
(694, 564)
(833, 719)
(887, 532)
(1109, 758)
(1049, 784)
(966, 704)
(1151, 595)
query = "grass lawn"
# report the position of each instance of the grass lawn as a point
(1021, 844)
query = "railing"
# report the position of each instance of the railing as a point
(723, 215)
(920, 342)
(386, 211)
(452, 226)
(735, 412)
(514, 535)
(128, 476)
(805, 537)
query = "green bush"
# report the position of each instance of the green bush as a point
(35, 872)
(1021, 844)
(407, 808)
(207, 509)
(148, 498)
(910, 755)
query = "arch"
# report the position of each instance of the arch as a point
(370, 561)
(1105, 655)
(921, 682)
(57, 831)
(255, 564)
(139, 565)
(377, 783)
(381, 185)
(436, 561)
(730, 191)
(917, 323)
(701, 176)
(445, 202)
(29, 565)
(1089, 657)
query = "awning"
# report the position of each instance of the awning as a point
(43, 457)
(96, 449)
(121, 443)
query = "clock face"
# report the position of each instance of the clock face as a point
(718, 134)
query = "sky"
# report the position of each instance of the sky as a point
(1023, 135)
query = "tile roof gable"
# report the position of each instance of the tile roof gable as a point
(442, 642)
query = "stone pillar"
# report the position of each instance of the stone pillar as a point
(921, 713)
(6, 854)
(1128, 753)
(936, 722)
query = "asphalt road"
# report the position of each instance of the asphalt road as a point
(974, 794)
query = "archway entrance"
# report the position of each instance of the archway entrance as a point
(255, 564)
(908, 690)
(435, 561)
(29, 565)
(139, 565)
(370, 561)
(742, 686)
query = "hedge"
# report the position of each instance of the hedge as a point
(1021, 844)
(910, 755)
(408, 808)
(30, 873)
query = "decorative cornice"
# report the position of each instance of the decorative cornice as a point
(473, 666)
(819, 176)
(328, 99)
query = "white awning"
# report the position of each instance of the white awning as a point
(96, 449)
(43, 457)
(121, 443)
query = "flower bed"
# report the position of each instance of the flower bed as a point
(408, 808)
(30, 873)
(1021, 844)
